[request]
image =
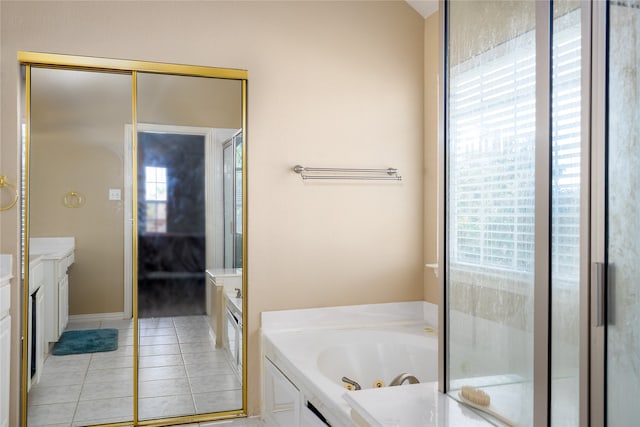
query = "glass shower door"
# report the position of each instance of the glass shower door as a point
(622, 216)
(490, 203)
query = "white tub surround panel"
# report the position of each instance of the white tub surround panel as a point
(408, 406)
(351, 316)
(5, 336)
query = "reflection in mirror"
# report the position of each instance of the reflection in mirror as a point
(182, 196)
(189, 230)
(79, 292)
(232, 179)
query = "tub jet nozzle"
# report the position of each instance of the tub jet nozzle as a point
(349, 382)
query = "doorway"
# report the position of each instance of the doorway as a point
(171, 224)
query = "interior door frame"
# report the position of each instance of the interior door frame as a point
(210, 196)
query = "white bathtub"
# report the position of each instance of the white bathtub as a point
(374, 358)
(316, 360)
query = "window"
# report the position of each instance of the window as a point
(156, 199)
(491, 178)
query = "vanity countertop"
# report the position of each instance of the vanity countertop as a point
(224, 272)
(51, 247)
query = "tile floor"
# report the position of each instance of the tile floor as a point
(180, 373)
(241, 422)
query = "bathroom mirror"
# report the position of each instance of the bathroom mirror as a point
(134, 220)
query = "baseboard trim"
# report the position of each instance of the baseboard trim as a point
(96, 317)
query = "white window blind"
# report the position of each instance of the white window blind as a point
(492, 152)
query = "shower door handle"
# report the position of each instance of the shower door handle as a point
(598, 279)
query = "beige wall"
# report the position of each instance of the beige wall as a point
(77, 145)
(431, 68)
(330, 84)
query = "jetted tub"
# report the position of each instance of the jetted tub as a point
(315, 360)
(374, 358)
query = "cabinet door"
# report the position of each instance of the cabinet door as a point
(5, 355)
(239, 345)
(50, 313)
(40, 342)
(230, 336)
(282, 399)
(30, 326)
(63, 304)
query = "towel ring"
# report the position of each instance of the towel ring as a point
(73, 199)
(3, 184)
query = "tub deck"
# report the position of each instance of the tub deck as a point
(314, 348)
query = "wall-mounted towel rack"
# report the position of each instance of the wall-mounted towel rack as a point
(3, 184)
(389, 174)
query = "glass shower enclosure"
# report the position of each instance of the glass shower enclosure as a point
(513, 189)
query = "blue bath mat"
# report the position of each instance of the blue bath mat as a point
(86, 341)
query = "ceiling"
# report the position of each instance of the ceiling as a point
(424, 7)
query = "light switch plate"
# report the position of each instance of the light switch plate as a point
(114, 194)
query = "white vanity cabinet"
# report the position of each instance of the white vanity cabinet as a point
(35, 344)
(63, 303)
(57, 254)
(56, 295)
(221, 281)
(5, 337)
(5, 369)
(233, 337)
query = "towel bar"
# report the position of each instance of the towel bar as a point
(3, 184)
(389, 174)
